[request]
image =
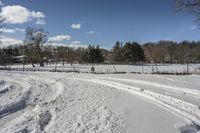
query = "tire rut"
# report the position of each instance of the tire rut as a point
(179, 107)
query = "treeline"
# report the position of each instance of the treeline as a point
(51, 54)
(127, 53)
(172, 52)
(160, 52)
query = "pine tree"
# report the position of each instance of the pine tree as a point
(132, 52)
(98, 55)
(93, 55)
(117, 53)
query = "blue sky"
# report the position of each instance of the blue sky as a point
(101, 22)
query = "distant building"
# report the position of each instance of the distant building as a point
(19, 59)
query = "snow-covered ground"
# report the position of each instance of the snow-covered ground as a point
(146, 68)
(86, 103)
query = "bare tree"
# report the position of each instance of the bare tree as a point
(36, 37)
(152, 53)
(171, 48)
(62, 53)
(2, 19)
(163, 51)
(192, 6)
(31, 53)
(71, 56)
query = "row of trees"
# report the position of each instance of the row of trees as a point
(172, 52)
(160, 52)
(50, 54)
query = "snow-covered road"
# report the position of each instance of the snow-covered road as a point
(61, 102)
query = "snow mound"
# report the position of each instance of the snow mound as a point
(192, 128)
(4, 87)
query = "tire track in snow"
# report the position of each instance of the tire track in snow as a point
(23, 120)
(18, 96)
(47, 118)
(54, 85)
(19, 102)
(4, 87)
(60, 88)
(189, 111)
(38, 116)
(191, 92)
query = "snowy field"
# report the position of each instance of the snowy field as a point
(83, 68)
(105, 103)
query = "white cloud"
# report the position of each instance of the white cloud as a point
(193, 27)
(60, 38)
(40, 22)
(71, 45)
(1, 3)
(5, 30)
(76, 26)
(38, 15)
(17, 14)
(77, 46)
(7, 41)
(76, 42)
(54, 44)
(20, 30)
(91, 32)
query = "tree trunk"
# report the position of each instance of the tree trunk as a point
(142, 67)
(32, 64)
(63, 62)
(187, 67)
(156, 66)
(56, 66)
(41, 64)
(114, 68)
(23, 66)
(40, 56)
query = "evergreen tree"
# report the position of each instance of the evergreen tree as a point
(117, 53)
(99, 56)
(93, 55)
(132, 52)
